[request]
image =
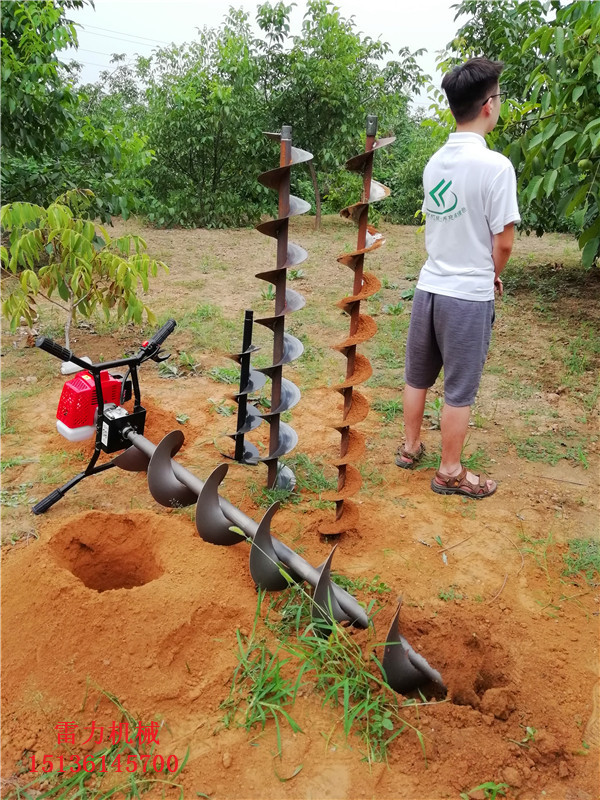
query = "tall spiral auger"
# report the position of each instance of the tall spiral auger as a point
(362, 328)
(272, 563)
(286, 348)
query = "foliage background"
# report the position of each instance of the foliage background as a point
(178, 137)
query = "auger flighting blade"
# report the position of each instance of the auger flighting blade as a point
(164, 486)
(325, 608)
(248, 416)
(289, 397)
(254, 383)
(403, 668)
(288, 439)
(254, 418)
(132, 460)
(211, 523)
(264, 564)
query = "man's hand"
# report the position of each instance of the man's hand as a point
(501, 251)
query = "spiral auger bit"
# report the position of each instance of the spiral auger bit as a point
(273, 565)
(286, 348)
(362, 328)
(249, 417)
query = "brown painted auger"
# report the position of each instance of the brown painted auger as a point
(362, 328)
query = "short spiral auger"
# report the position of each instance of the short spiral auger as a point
(362, 328)
(248, 417)
(286, 348)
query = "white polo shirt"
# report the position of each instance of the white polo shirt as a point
(470, 195)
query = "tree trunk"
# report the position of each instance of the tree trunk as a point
(68, 323)
(313, 175)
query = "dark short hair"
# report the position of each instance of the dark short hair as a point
(468, 85)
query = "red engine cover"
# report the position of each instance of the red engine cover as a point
(78, 401)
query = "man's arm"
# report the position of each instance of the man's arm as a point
(502, 248)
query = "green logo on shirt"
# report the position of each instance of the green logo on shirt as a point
(437, 195)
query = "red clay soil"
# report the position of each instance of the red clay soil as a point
(110, 592)
(134, 602)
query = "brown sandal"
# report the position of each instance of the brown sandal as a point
(414, 457)
(459, 484)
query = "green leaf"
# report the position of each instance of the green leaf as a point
(563, 139)
(549, 131)
(534, 186)
(577, 199)
(559, 157)
(590, 233)
(549, 181)
(559, 39)
(590, 252)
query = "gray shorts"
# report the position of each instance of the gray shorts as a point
(445, 331)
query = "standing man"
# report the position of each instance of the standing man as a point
(470, 207)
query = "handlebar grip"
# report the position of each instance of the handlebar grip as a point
(50, 346)
(160, 335)
(47, 502)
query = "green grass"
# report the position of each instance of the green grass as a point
(209, 328)
(18, 496)
(539, 549)
(433, 412)
(395, 309)
(490, 790)
(371, 475)
(389, 355)
(9, 463)
(583, 558)
(516, 389)
(229, 375)
(347, 679)
(266, 497)
(550, 448)
(259, 692)
(5, 426)
(374, 585)
(309, 474)
(208, 263)
(476, 462)
(450, 594)
(389, 409)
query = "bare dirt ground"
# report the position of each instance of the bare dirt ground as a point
(111, 602)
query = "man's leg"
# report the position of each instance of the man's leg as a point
(454, 425)
(423, 364)
(459, 322)
(414, 407)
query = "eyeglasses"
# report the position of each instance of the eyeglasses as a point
(501, 95)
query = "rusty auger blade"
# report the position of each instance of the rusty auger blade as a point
(286, 348)
(403, 668)
(362, 328)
